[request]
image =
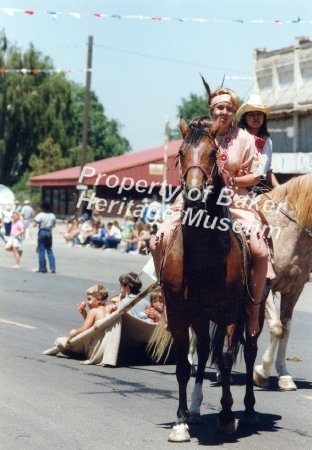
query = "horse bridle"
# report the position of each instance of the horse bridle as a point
(209, 176)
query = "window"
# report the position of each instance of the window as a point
(264, 79)
(285, 75)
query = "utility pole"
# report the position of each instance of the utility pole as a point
(167, 138)
(86, 109)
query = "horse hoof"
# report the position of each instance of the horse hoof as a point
(286, 383)
(250, 420)
(227, 428)
(258, 379)
(179, 433)
(194, 418)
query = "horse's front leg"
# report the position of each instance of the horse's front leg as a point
(250, 353)
(203, 348)
(226, 422)
(192, 350)
(179, 432)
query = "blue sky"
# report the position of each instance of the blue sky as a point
(142, 68)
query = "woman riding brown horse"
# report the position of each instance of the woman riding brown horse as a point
(203, 275)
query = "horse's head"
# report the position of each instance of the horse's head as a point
(198, 160)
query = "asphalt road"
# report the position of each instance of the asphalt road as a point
(56, 403)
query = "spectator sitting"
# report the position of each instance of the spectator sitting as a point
(132, 240)
(85, 231)
(72, 229)
(130, 286)
(99, 308)
(113, 237)
(96, 217)
(98, 240)
(127, 229)
(156, 310)
(143, 239)
(101, 347)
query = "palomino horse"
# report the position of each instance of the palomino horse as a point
(203, 277)
(293, 264)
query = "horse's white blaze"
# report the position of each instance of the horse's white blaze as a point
(196, 399)
(197, 150)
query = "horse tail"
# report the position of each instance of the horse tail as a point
(237, 340)
(160, 343)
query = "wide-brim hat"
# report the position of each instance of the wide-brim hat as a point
(253, 103)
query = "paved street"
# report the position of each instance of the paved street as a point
(56, 403)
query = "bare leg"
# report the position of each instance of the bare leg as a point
(259, 252)
(17, 255)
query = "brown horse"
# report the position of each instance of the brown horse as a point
(203, 277)
(292, 222)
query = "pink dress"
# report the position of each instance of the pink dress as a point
(238, 156)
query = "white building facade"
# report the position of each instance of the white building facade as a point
(283, 79)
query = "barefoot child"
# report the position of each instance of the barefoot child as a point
(97, 296)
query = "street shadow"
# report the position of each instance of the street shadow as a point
(206, 432)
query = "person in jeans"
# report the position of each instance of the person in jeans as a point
(45, 220)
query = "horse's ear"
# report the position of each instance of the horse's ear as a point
(206, 86)
(215, 127)
(183, 127)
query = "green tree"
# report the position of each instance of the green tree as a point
(189, 109)
(104, 138)
(44, 105)
(48, 159)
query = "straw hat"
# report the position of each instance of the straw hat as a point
(253, 103)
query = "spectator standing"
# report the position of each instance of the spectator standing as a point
(18, 206)
(46, 220)
(14, 243)
(28, 214)
(7, 214)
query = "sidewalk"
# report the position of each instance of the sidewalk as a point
(78, 262)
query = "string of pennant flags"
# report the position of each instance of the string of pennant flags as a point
(25, 71)
(100, 15)
(35, 71)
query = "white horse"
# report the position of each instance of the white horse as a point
(293, 264)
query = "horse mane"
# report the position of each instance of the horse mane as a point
(297, 192)
(198, 127)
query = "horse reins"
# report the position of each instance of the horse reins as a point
(286, 214)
